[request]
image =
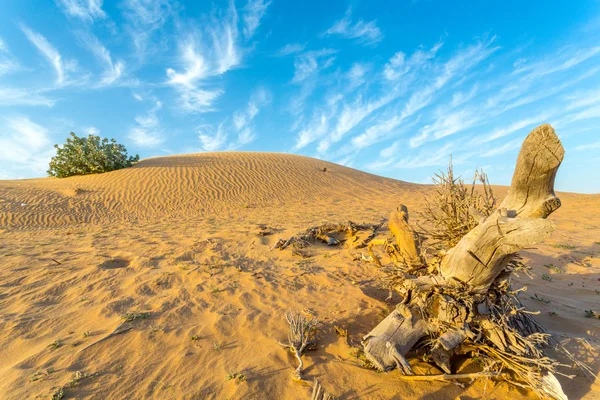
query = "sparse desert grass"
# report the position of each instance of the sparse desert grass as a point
(591, 314)
(547, 277)
(216, 346)
(361, 358)
(59, 394)
(132, 316)
(240, 377)
(554, 268)
(77, 376)
(539, 298)
(195, 338)
(564, 246)
(55, 345)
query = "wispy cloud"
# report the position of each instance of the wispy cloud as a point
(203, 59)
(252, 14)
(24, 97)
(508, 146)
(7, 62)
(48, 51)
(366, 33)
(217, 137)
(148, 132)
(507, 130)
(25, 147)
(242, 120)
(113, 69)
(311, 63)
(399, 66)
(212, 138)
(588, 146)
(87, 10)
(144, 18)
(290, 49)
(423, 79)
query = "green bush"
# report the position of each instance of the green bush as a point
(91, 155)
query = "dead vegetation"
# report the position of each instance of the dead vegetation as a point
(301, 337)
(454, 276)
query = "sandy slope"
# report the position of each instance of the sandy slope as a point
(177, 237)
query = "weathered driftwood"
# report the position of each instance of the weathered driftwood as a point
(468, 303)
(407, 238)
(386, 345)
(319, 393)
(483, 253)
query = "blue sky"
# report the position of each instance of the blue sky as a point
(392, 88)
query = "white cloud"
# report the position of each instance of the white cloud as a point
(24, 97)
(588, 146)
(502, 132)
(310, 63)
(242, 120)
(253, 12)
(25, 148)
(48, 51)
(437, 157)
(87, 10)
(147, 132)
(206, 59)
(398, 65)
(367, 33)
(144, 18)
(92, 130)
(423, 82)
(7, 63)
(357, 75)
(509, 146)
(113, 70)
(291, 48)
(211, 138)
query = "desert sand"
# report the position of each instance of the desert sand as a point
(181, 241)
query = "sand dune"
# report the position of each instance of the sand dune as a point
(183, 186)
(175, 240)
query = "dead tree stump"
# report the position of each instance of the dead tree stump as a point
(452, 306)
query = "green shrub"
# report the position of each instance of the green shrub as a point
(91, 155)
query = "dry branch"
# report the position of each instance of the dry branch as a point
(302, 337)
(462, 302)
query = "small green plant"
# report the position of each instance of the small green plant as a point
(59, 394)
(359, 354)
(554, 268)
(564, 246)
(547, 277)
(538, 298)
(552, 313)
(91, 155)
(216, 346)
(77, 376)
(195, 338)
(131, 316)
(86, 334)
(597, 291)
(55, 345)
(236, 376)
(591, 314)
(36, 377)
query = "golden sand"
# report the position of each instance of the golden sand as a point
(178, 238)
